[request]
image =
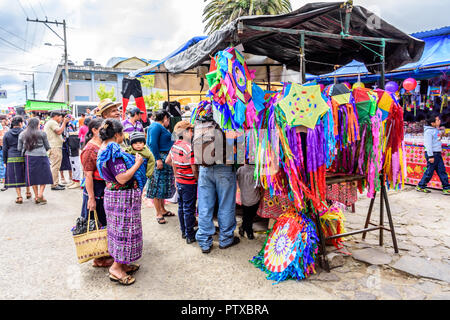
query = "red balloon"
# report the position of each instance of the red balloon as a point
(410, 84)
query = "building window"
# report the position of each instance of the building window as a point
(105, 77)
(80, 76)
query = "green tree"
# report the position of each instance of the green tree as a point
(219, 13)
(102, 93)
(152, 100)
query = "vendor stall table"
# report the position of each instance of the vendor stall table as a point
(416, 164)
(384, 202)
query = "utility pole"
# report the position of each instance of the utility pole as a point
(64, 39)
(26, 92)
(33, 86)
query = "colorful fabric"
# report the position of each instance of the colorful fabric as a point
(148, 166)
(128, 127)
(183, 158)
(88, 159)
(15, 173)
(110, 154)
(162, 184)
(2, 166)
(303, 105)
(123, 215)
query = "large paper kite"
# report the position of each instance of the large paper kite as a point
(303, 105)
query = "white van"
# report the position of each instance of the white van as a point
(79, 107)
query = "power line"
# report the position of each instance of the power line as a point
(17, 36)
(35, 14)
(24, 12)
(13, 45)
(42, 8)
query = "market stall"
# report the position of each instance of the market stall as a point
(305, 136)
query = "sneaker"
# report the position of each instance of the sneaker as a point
(74, 185)
(61, 185)
(206, 251)
(58, 188)
(446, 192)
(422, 190)
(189, 241)
(235, 241)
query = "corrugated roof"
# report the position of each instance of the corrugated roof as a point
(432, 33)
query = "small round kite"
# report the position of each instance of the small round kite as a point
(280, 249)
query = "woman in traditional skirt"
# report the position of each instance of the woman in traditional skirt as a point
(94, 190)
(3, 130)
(15, 162)
(161, 185)
(122, 202)
(65, 162)
(34, 145)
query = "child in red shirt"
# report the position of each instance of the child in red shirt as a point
(181, 157)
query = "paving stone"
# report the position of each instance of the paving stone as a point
(325, 276)
(413, 294)
(441, 296)
(361, 295)
(434, 253)
(372, 256)
(347, 286)
(400, 231)
(408, 247)
(424, 242)
(335, 260)
(344, 269)
(418, 231)
(420, 267)
(426, 287)
(391, 291)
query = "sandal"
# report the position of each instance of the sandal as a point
(133, 268)
(168, 214)
(161, 220)
(19, 200)
(28, 195)
(102, 264)
(40, 201)
(126, 281)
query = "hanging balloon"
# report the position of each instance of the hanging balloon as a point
(391, 87)
(348, 84)
(358, 85)
(410, 84)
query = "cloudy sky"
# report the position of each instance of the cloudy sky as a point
(151, 29)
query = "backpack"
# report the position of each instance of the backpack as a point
(209, 143)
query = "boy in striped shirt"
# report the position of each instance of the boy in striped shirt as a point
(181, 157)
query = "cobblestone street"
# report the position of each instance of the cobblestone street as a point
(39, 262)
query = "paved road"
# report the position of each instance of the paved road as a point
(39, 262)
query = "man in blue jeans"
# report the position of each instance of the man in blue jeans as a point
(217, 182)
(433, 154)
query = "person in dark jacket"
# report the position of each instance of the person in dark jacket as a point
(15, 162)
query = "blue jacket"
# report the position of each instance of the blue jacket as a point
(159, 139)
(431, 142)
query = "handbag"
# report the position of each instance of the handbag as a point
(92, 244)
(273, 207)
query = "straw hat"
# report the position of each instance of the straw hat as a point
(104, 105)
(181, 126)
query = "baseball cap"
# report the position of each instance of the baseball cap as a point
(134, 110)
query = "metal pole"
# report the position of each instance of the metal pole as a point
(302, 58)
(383, 68)
(26, 92)
(168, 88)
(348, 14)
(66, 67)
(34, 92)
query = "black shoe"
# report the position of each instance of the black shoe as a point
(189, 241)
(57, 188)
(250, 235)
(183, 236)
(236, 240)
(62, 185)
(207, 250)
(241, 231)
(3, 189)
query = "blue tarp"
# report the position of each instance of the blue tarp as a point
(147, 70)
(436, 53)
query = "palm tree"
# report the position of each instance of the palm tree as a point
(218, 13)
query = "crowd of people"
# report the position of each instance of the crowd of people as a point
(119, 162)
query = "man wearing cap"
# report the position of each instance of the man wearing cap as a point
(107, 109)
(54, 131)
(133, 123)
